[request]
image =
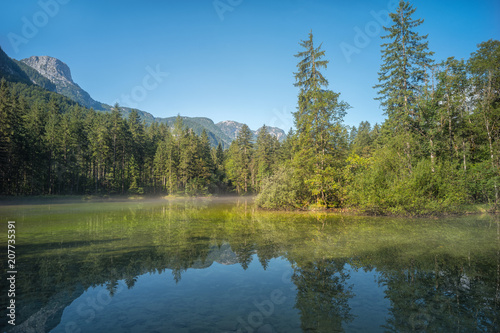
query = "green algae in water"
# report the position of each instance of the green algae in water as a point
(218, 266)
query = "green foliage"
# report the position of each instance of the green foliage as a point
(284, 189)
(51, 146)
(200, 124)
(405, 60)
(481, 179)
(239, 161)
(438, 149)
(10, 70)
(383, 184)
(320, 142)
(34, 76)
(266, 153)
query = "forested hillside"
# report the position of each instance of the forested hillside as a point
(438, 148)
(51, 145)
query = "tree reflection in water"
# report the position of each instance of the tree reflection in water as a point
(439, 275)
(323, 293)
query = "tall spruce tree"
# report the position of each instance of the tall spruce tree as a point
(405, 63)
(321, 139)
(265, 150)
(245, 152)
(406, 60)
(117, 141)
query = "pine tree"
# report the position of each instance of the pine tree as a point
(219, 169)
(245, 152)
(137, 150)
(219, 157)
(153, 138)
(80, 147)
(161, 165)
(320, 138)
(405, 64)
(51, 139)
(34, 124)
(231, 165)
(238, 163)
(362, 142)
(117, 140)
(264, 159)
(188, 158)
(7, 138)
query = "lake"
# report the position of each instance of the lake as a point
(220, 265)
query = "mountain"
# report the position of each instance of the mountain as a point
(59, 74)
(10, 70)
(232, 128)
(198, 124)
(277, 132)
(36, 78)
(54, 75)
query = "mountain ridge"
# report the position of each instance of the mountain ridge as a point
(59, 74)
(54, 75)
(232, 128)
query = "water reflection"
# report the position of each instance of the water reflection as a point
(228, 265)
(323, 293)
(460, 294)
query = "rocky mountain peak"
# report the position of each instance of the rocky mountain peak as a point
(232, 129)
(53, 69)
(59, 74)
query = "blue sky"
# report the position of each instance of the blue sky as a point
(229, 59)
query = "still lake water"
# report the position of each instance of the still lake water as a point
(222, 266)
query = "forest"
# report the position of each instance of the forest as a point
(437, 150)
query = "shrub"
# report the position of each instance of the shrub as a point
(282, 190)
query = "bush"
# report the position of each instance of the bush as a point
(387, 185)
(481, 181)
(282, 190)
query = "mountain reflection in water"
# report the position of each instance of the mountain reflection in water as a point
(211, 266)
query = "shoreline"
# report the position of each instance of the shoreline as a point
(468, 209)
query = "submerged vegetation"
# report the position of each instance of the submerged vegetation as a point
(423, 275)
(437, 150)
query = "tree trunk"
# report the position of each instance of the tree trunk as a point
(450, 132)
(50, 172)
(408, 155)
(463, 151)
(123, 169)
(432, 155)
(492, 155)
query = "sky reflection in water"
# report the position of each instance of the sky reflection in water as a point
(210, 266)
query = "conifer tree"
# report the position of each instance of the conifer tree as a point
(219, 157)
(265, 151)
(6, 136)
(239, 161)
(34, 123)
(51, 140)
(405, 64)
(321, 140)
(406, 60)
(117, 141)
(245, 152)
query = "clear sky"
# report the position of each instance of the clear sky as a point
(228, 59)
